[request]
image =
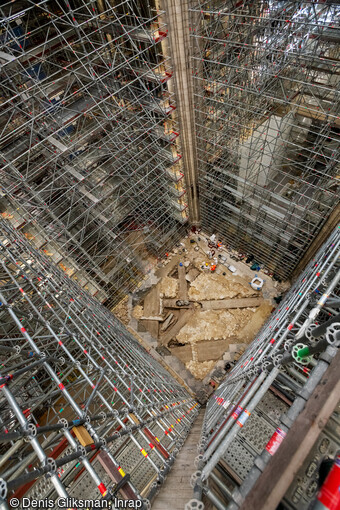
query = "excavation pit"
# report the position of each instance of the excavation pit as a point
(202, 316)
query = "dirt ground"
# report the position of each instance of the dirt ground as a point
(259, 317)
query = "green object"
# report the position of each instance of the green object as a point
(303, 359)
(302, 353)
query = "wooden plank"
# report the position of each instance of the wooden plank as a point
(170, 319)
(183, 284)
(159, 318)
(176, 490)
(183, 353)
(280, 471)
(172, 332)
(220, 304)
(206, 350)
(151, 302)
(152, 327)
(109, 467)
(152, 309)
(82, 435)
(156, 443)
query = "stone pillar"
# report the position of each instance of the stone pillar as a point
(177, 15)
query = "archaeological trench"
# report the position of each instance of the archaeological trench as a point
(204, 318)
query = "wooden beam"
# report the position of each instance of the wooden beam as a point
(182, 284)
(280, 471)
(109, 467)
(172, 332)
(151, 309)
(220, 304)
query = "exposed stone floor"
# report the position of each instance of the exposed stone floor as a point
(200, 317)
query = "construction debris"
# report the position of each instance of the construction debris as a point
(174, 330)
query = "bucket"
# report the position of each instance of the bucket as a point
(257, 283)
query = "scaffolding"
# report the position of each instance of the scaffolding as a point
(91, 160)
(92, 169)
(266, 81)
(86, 412)
(252, 411)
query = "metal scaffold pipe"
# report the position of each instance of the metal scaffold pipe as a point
(277, 365)
(79, 405)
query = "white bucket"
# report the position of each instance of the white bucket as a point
(257, 283)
